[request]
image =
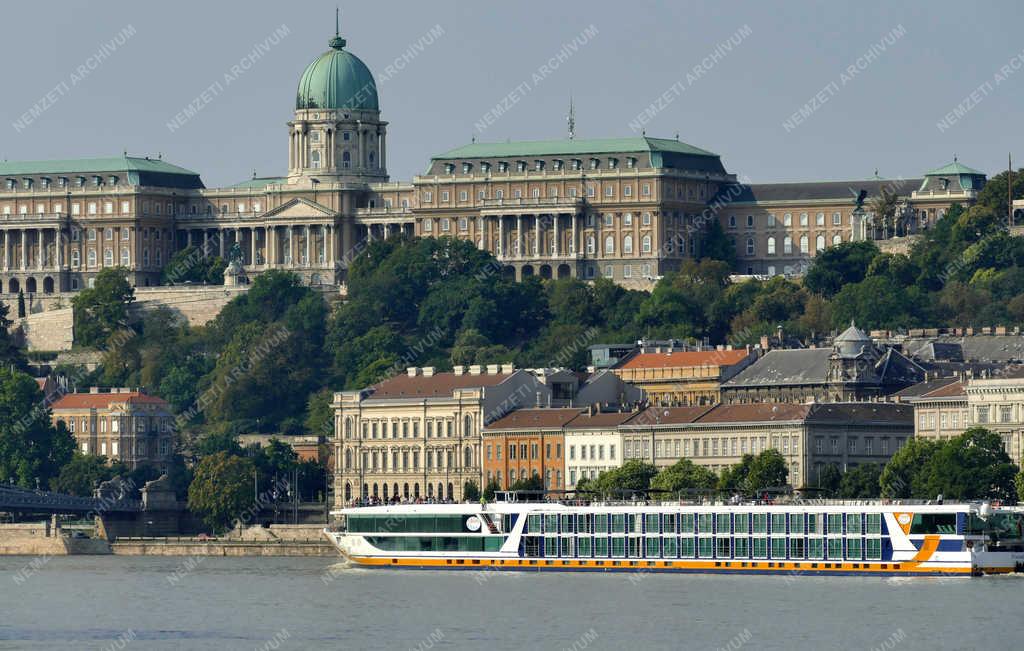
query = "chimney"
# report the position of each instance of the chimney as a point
(507, 368)
(474, 369)
(428, 371)
(492, 369)
(459, 370)
(412, 370)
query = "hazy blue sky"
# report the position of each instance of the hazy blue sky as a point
(885, 116)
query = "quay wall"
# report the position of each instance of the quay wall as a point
(39, 539)
(192, 547)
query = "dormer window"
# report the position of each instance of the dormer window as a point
(97, 181)
(26, 183)
(613, 163)
(112, 180)
(467, 168)
(945, 183)
(559, 164)
(577, 164)
(62, 181)
(630, 162)
(502, 166)
(521, 166)
(46, 181)
(538, 165)
(594, 163)
(80, 181)
(11, 183)
(449, 168)
(485, 167)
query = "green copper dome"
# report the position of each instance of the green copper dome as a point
(337, 80)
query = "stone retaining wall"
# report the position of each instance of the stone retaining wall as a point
(178, 547)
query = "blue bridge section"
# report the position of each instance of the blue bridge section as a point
(20, 500)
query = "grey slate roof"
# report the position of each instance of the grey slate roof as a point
(785, 367)
(819, 190)
(984, 348)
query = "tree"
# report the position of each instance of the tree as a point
(21, 304)
(10, 353)
(829, 479)
(32, 449)
(768, 470)
(905, 473)
(102, 309)
(84, 473)
(490, 489)
(189, 265)
(839, 265)
(471, 491)
(971, 466)
(861, 482)
(217, 439)
(684, 475)
(532, 483)
(716, 245)
(634, 475)
(222, 489)
(734, 478)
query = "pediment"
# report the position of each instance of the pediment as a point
(300, 209)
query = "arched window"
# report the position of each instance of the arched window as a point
(750, 246)
(125, 257)
(348, 492)
(803, 244)
(373, 163)
(819, 243)
(76, 258)
(645, 244)
(91, 258)
(609, 244)
(591, 245)
(787, 244)
(348, 459)
(348, 427)
(627, 244)
(837, 239)
(468, 457)
(467, 429)
(771, 246)
(315, 160)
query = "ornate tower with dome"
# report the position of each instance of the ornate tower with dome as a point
(337, 134)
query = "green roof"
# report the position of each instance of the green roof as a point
(259, 182)
(98, 165)
(571, 147)
(337, 80)
(953, 169)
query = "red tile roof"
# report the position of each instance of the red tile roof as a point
(686, 358)
(667, 416)
(104, 400)
(434, 386)
(953, 390)
(534, 418)
(603, 419)
(758, 411)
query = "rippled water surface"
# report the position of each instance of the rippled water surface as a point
(302, 603)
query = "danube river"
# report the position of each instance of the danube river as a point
(106, 602)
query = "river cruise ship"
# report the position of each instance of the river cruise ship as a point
(816, 537)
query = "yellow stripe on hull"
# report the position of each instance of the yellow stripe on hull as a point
(559, 564)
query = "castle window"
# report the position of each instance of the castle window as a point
(346, 158)
(819, 219)
(787, 244)
(315, 160)
(645, 244)
(373, 159)
(627, 191)
(609, 244)
(627, 244)
(750, 246)
(803, 244)
(837, 239)
(803, 219)
(463, 196)
(314, 136)
(428, 225)
(787, 219)
(538, 165)
(594, 163)
(521, 166)
(819, 243)
(444, 195)
(467, 168)
(559, 164)
(535, 193)
(771, 246)
(837, 218)
(346, 135)
(771, 220)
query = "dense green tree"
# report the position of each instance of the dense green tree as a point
(32, 449)
(220, 438)
(471, 491)
(532, 483)
(102, 309)
(490, 489)
(838, 266)
(905, 475)
(971, 466)
(768, 470)
(861, 482)
(632, 476)
(829, 480)
(878, 302)
(84, 473)
(10, 353)
(222, 490)
(733, 479)
(716, 245)
(189, 265)
(684, 475)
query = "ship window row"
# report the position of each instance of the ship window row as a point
(437, 543)
(406, 523)
(775, 523)
(710, 547)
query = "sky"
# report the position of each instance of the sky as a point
(782, 91)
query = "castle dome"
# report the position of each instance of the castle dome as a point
(338, 79)
(852, 341)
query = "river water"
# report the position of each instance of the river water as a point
(108, 602)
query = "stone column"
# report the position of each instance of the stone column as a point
(39, 260)
(24, 249)
(383, 149)
(220, 240)
(324, 254)
(252, 245)
(7, 249)
(574, 247)
(309, 259)
(58, 243)
(558, 240)
(346, 239)
(206, 242)
(270, 241)
(501, 236)
(519, 236)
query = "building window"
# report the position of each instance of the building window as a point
(609, 244)
(750, 246)
(771, 246)
(771, 220)
(591, 244)
(983, 414)
(645, 244)
(608, 271)
(819, 243)
(837, 239)
(787, 219)
(803, 244)
(837, 218)
(819, 219)
(787, 244)
(803, 219)
(732, 221)
(627, 244)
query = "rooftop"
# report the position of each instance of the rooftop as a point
(818, 190)
(97, 165)
(929, 388)
(104, 400)
(686, 358)
(653, 416)
(954, 168)
(436, 385)
(534, 419)
(785, 367)
(572, 147)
